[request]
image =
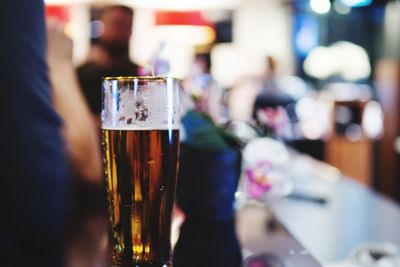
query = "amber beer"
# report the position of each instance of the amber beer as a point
(141, 168)
(140, 140)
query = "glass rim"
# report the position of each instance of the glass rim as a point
(139, 78)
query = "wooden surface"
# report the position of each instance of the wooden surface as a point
(387, 76)
(353, 158)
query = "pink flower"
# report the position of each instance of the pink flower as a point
(258, 179)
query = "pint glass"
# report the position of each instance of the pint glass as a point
(140, 140)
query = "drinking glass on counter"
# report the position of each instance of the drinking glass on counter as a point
(140, 140)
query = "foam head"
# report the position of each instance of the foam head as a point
(140, 103)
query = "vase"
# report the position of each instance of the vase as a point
(207, 183)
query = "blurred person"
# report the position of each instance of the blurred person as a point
(272, 106)
(34, 168)
(200, 121)
(270, 95)
(109, 56)
(86, 223)
(201, 85)
(78, 129)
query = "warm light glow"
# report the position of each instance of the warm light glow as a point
(160, 4)
(341, 8)
(319, 63)
(351, 61)
(183, 5)
(313, 117)
(66, 2)
(344, 59)
(372, 122)
(397, 145)
(230, 63)
(320, 6)
(69, 29)
(185, 34)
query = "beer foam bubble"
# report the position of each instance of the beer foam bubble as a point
(132, 106)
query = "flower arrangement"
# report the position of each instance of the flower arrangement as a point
(259, 179)
(264, 159)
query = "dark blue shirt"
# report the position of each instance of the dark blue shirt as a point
(33, 168)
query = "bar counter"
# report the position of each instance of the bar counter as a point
(322, 221)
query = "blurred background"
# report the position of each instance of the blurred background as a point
(337, 60)
(307, 90)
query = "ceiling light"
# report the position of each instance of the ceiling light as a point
(188, 27)
(160, 4)
(320, 6)
(185, 34)
(341, 8)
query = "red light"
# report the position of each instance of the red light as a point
(193, 18)
(61, 13)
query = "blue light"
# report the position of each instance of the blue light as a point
(356, 3)
(305, 34)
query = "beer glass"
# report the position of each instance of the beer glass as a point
(140, 139)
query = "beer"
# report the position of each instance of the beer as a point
(141, 169)
(140, 122)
